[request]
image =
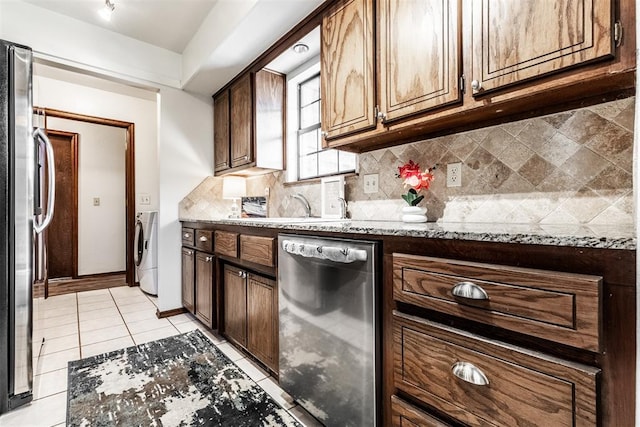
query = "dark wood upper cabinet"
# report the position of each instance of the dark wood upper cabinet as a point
(347, 80)
(419, 52)
(444, 65)
(241, 122)
(514, 41)
(221, 141)
(249, 124)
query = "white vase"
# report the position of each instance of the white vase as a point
(414, 214)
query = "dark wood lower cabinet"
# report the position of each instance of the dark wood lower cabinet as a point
(205, 291)
(251, 314)
(262, 320)
(235, 304)
(188, 279)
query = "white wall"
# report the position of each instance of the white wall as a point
(186, 158)
(101, 173)
(71, 92)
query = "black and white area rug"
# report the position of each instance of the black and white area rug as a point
(178, 381)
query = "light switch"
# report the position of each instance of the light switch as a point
(145, 199)
(371, 183)
(96, 201)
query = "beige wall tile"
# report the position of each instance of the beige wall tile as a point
(569, 167)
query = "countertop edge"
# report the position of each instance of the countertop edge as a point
(451, 231)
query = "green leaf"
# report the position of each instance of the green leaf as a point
(417, 200)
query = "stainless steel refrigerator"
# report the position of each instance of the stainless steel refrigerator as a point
(24, 152)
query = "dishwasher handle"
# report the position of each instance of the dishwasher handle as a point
(331, 253)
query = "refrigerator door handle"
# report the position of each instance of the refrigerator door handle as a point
(51, 191)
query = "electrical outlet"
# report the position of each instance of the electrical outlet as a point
(371, 183)
(145, 199)
(454, 175)
(96, 201)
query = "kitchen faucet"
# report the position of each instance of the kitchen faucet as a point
(305, 204)
(344, 213)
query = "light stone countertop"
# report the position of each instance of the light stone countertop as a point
(604, 237)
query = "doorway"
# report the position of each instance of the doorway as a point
(62, 234)
(68, 225)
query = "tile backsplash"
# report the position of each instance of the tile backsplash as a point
(573, 167)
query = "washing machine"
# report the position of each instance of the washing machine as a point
(145, 251)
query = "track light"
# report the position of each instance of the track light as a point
(107, 10)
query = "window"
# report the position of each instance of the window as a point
(313, 160)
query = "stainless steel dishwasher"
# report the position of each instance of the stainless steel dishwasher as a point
(329, 327)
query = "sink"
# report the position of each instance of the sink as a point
(294, 220)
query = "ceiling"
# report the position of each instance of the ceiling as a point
(214, 46)
(169, 24)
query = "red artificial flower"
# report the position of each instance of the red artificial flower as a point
(417, 180)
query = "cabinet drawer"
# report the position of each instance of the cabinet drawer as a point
(226, 243)
(505, 385)
(257, 249)
(406, 415)
(204, 240)
(188, 236)
(560, 307)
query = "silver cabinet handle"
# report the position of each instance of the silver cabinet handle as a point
(242, 274)
(188, 252)
(476, 86)
(469, 290)
(208, 259)
(470, 373)
(203, 238)
(187, 235)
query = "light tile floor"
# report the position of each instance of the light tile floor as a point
(73, 326)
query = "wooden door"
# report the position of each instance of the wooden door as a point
(221, 143)
(204, 288)
(347, 83)
(235, 304)
(419, 53)
(62, 233)
(262, 320)
(241, 122)
(188, 279)
(514, 41)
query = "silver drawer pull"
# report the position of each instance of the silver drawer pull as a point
(203, 238)
(468, 372)
(187, 235)
(469, 290)
(188, 252)
(208, 259)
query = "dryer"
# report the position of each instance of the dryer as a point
(145, 251)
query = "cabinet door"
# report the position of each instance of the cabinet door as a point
(262, 320)
(221, 141)
(347, 61)
(270, 119)
(515, 41)
(188, 279)
(419, 52)
(204, 288)
(241, 122)
(235, 304)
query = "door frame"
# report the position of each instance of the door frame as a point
(74, 218)
(130, 205)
